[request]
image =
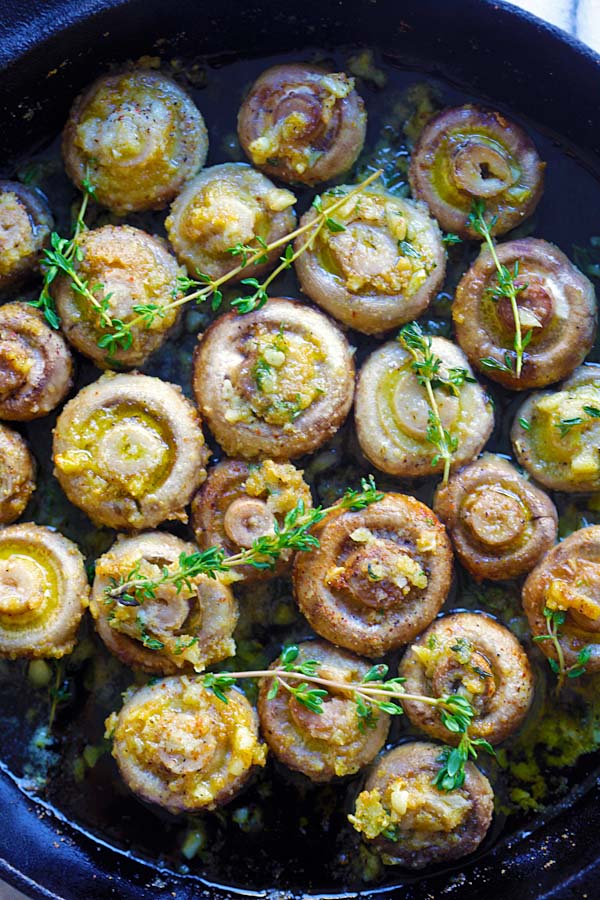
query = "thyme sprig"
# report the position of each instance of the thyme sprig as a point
(374, 694)
(555, 619)
(61, 257)
(292, 535)
(203, 287)
(431, 375)
(565, 425)
(506, 286)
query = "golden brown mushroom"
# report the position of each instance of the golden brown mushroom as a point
(380, 264)
(36, 368)
(137, 136)
(409, 821)
(392, 412)
(129, 451)
(379, 577)
(226, 208)
(556, 434)
(25, 226)
(557, 305)
(499, 523)
(240, 502)
(275, 383)
(175, 629)
(302, 123)
(43, 592)
(179, 746)
(17, 475)
(473, 655)
(326, 744)
(132, 269)
(567, 580)
(469, 153)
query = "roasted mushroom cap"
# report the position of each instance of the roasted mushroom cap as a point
(409, 821)
(25, 226)
(173, 630)
(17, 475)
(377, 265)
(473, 655)
(379, 576)
(224, 210)
(556, 434)
(179, 746)
(302, 123)
(274, 383)
(36, 368)
(132, 269)
(392, 412)
(499, 523)
(43, 592)
(326, 744)
(468, 153)
(241, 502)
(137, 137)
(568, 580)
(556, 304)
(129, 451)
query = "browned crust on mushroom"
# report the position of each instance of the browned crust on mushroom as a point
(222, 207)
(367, 616)
(391, 412)
(328, 744)
(134, 268)
(417, 849)
(568, 325)
(17, 475)
(371, 310)
(331, 127)
(128, 171)
(36, 368)
(224, 374)
(448, 133)
(506, 690)
(499, 523)
(570, 572)
(25, 226)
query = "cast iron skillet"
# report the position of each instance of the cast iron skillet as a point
(490, 47)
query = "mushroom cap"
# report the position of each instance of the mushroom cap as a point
(362, 273)
(25, 226)
(490, 662)
(300, 123)
(468, 152)
(193, 626)
(43, 592)
(179, 746)
(379, 576)
(17, 475)
(225, 207)
(36, 368)
(133, 269)
(392, 412)
(137, 136)
(499, 523)
(328, 744)
(557, 294)
(567, 579)
(129, 451)
(311, 380)
(427, 833)
(559, 445)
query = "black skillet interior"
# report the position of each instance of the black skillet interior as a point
(488, 49)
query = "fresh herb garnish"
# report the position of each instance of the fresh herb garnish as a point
(555, 619)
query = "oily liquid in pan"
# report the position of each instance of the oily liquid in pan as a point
(283, 831)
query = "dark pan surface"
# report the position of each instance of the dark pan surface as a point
(559, 857)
